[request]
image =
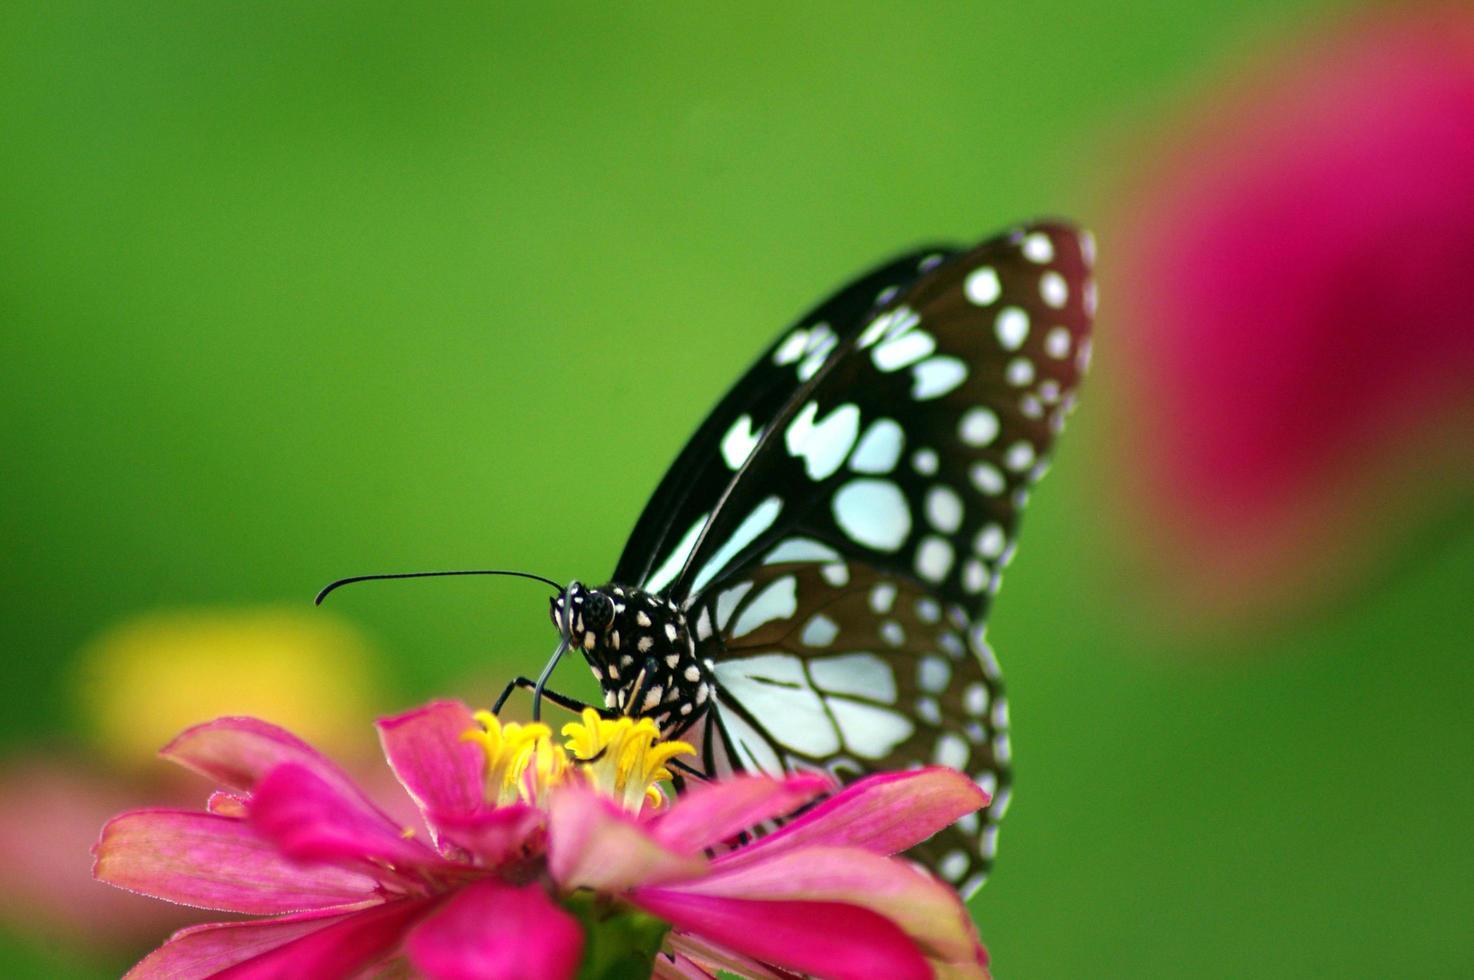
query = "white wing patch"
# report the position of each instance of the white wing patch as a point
(936, 376)
(901, 351)
(754, 754)
(739, 442)
(800, 549)
(880, 448)
(676, 560)
(772, 687)
(761, 518)
(861, 674)
(814, 717)
(868, 731)
(778, 600)
(874, 513)
(824, 446)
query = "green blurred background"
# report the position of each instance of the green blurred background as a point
(293, 291)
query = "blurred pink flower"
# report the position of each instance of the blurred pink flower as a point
(139, 681)
(1301, 314)
(488, 885)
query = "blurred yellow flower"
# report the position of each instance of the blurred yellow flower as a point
(144, 680)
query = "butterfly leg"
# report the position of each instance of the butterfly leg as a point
(648, 672)
(528, 684)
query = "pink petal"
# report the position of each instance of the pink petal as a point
(592, 843)
(884, 814)
(823, 938)
(239, 752)
(203, 951)
(679, 967)
(492, 930)
(493, 836)
(442, 772)
(341, 949)
(711, 957)
(927, 910)
(216, 862)
(310, 820)
(711, 813)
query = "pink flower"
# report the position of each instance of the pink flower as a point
(523, 851)
(1301, 321)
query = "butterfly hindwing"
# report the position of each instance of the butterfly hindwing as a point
(833, 666)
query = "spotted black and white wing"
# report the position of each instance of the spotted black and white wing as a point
(706, 465)
(913, 445)
(901, 462)
(835, 667)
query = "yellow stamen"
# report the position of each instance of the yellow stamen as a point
(623, 757)
(521, 760)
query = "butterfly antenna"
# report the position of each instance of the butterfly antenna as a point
(333, 586)
(565, 627)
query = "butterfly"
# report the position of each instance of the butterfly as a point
(808, 587)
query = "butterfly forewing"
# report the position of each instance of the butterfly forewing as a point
(914, 444)
(707, 464)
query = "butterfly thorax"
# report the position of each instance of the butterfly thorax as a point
(641, 652)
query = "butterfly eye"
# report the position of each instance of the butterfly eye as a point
(598, 611)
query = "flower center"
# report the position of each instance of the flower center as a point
(622, 758)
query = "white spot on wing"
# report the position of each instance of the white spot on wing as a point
(1054, 290)
(990, 541)
(792, 347)
(1020, 456)
(739, 441)
(823, 447)
(979, 426)
(1012, 327)
(933, 558)
(944, 509)
(936, 376)
(933, 673)
(982, 286)
(873, 513)
(1038, 248)
(819, 631)
(898, 352)
(975, 699)
(951, 751)
(987, 478)
(1020, 372)
(879, 448)
(882, 597)
(1057, 343)
(953, 865)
